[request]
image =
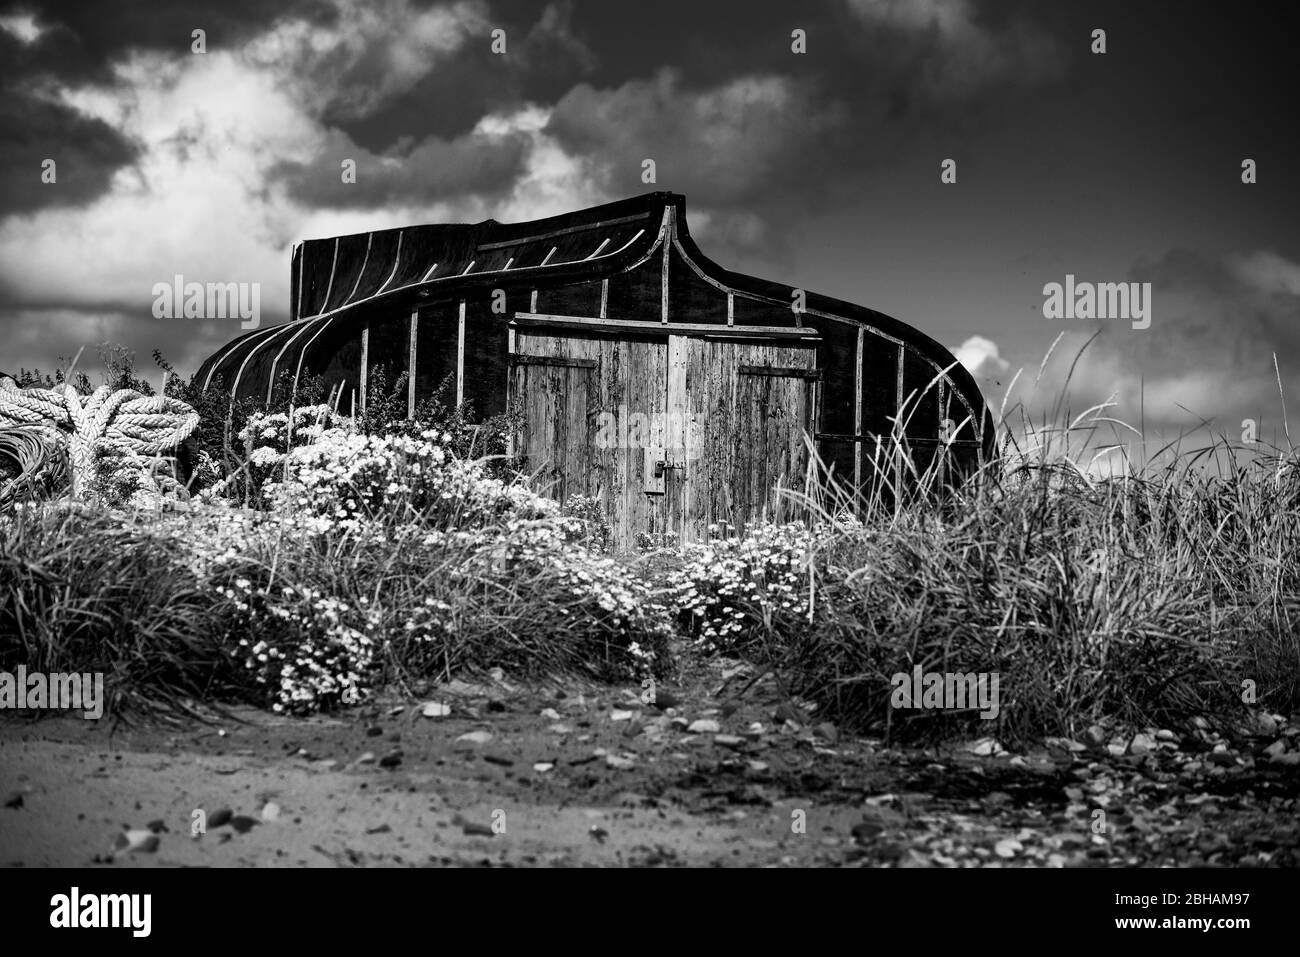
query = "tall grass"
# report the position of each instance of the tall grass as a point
(1167, 590)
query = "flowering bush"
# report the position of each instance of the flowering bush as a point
(304, 647)
(344, 478)
(733, 589)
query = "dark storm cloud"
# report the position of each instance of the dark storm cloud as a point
(77, 43)
(86, 153)
(83, 39)
(544, 58)
(434, 169)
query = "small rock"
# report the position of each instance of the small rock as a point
(243, 824)
(985, 748)
(476, 830)
(1064, 744)
(560, 728)
(758, 767)
(665, 699)
(367, 758)
(865, 831)
(436, 709)
(617, 715)
(270, 811)
(788, 712)
(704, 726)
(550, 714)
(374, 731)
(1008, 847)
(476, 737)
(391, 760)
(827, 732)
(1290, 760)
(136, 841)
(1142, 744)
(598, 833)
(1223, 758)
(220, 817)
(1265, 725)
(1095, 737)
(1276, 748)
(394, 712)
(1164, 734)
(381, 829)
(14, 800)
(618, 763)
(729, 740)
(543, 766)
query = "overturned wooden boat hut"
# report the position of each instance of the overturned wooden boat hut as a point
(672, 390)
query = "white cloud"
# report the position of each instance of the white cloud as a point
(200, 200)
(373, 51)
(980, 357)
(22, 26)
(1267, 272)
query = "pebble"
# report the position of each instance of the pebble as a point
(476, 737)
(436, 709)
(704, 726)
(665, 699)
(220, 817)
(1142, 744)
(729, 740)
(391, 760)
(136, 841)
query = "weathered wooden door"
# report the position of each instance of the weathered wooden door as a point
(593, 414)
(670, 433)
(740, 410)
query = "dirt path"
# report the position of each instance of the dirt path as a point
(586, 775)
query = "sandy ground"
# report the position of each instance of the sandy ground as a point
(572, 774)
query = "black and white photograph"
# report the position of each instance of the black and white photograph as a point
(580, 434)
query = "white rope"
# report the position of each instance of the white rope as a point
(123, 424)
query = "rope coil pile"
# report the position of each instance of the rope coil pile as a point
(122, 424)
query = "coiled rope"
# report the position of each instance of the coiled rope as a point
(121, 423)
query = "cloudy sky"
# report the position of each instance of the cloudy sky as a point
(819, 169)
